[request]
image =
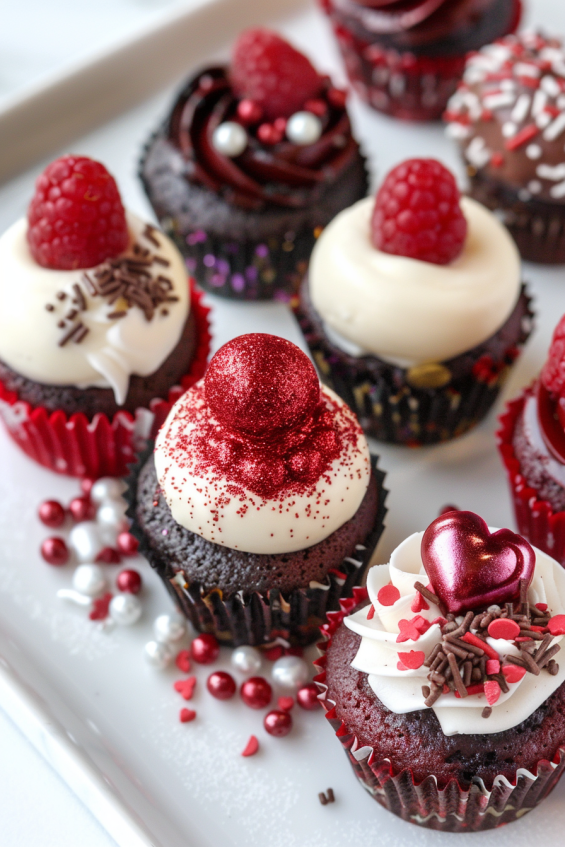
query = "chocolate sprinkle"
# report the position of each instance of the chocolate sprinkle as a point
(49, 307)
(487, 712)
(326, 798)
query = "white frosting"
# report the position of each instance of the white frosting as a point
(401, 691)
(205, 505)
(532, 432)
(113, 349)
(407, 311)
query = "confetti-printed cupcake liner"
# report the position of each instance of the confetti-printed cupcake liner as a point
(424, 405)
(449, 809)
(76, 446)
(399, 83)
(535, 518)
(261, 617)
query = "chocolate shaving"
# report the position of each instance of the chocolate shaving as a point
(119, 314)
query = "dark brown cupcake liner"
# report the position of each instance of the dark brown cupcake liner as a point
(535, 518)
(450, 809)
(537, 227)
(424, 405)
(259, 618)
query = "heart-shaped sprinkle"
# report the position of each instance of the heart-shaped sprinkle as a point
(412, 660)
(182, 661)
(542, 607)
(513, 673)
(556, 625)
(503, 628)
(187, 715)
(100, 608)
(492, 691)
(251, 747)
(411, 630)
(185, 687)
(492, 666)
(388, 595)
(469, 567)
(419, 604)
(286, 703)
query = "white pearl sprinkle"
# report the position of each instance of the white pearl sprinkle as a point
(246, 659)
(111, 520)
(290, 672)
(158, 655)
(303, 128)
(125, 609)
(533, 151)
(89, 580)
(107, 488)
(85, 540)
(169, 628)
(230, 139)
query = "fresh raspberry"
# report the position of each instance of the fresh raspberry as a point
(76, 218)
(553, 372)
(269, 71)
(417, 213)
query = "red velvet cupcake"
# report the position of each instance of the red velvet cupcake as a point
(100, 328)
(253, 161)
(443, 678)
(405, 57)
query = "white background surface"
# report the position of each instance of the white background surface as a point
(35, 806)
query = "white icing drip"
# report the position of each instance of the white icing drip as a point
(113, 350)
(400, 690)
(408, 311)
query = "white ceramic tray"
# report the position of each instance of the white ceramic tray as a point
(108, 723)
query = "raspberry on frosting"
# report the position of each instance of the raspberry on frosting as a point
(76, 217)
(267, 70)
(417, 213)
(553, 372)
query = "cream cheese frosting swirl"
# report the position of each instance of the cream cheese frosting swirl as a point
(400, 690)
(410, 312)
(231, 514)
(37, 300)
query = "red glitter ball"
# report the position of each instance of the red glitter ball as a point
(278, 723)
(81, 509)
(129, 581)
(127, 544)
(51, 513)
(221, 685)
(55, 551)
(256, 692)
(108, 556)
(205, 649)
(249, 111)
(307, 697)
(86, 484)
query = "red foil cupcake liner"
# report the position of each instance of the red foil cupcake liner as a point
(449, 809)
(76, 446)
(535, 518)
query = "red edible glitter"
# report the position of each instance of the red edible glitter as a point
(182, 661)
(388, 595)
(251, 747)
(185, 687)
(187, 715)
(501, 628)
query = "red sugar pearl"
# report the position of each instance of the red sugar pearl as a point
(129, 581)
(108, 556)
(86, 484)
(256, 692)
(307, 697)
(127, 544)
(55, 551)
(205, 649)
(278, 723)
(221, 685)
(51, 513)
(81, 509)
(249, 111)
(269, 134)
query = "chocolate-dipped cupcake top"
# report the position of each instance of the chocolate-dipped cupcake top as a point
(90, 293)
(419, 275)
(465, 620)
(509, 115)
(258, 457)
(268, 130)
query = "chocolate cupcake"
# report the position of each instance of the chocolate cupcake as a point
(413, 309)
(508, 117)
(405, 57)
(532, 445)
(260, 507)
(445, 685)
(254, 160)
(98, 324)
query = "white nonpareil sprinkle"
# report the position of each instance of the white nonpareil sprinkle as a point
(551, 172)
(555, 128)
(533, 151)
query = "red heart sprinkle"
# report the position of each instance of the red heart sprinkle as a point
(418, 603)
(286, 703)
(503, 628)
(252, 746)
(388, 595)
(182, 661)
(100, 608)
(408, 631)
(513, 673)
(492, 666)
(185, 687)
(187, 715)
(413, 659)
(421, 624)
(542, 607)
(492, 691)
(371, 613)
(556, 625)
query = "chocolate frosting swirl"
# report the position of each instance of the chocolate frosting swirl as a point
(283, 174)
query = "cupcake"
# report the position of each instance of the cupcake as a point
(531, 441)
(508, 117)
(413, 309)
(405, 57)
(98, 324)
(444, 684)
(252, 162)
(260, 506)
